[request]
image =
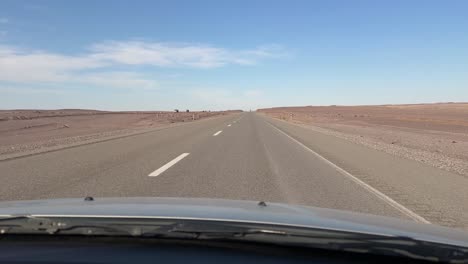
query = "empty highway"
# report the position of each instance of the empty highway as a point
(244, 156)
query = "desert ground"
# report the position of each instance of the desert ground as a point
(434, 134)
(408, 162)
(25, 131)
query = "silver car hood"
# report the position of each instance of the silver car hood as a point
(236, 211)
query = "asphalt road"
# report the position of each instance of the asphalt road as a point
(244, 156)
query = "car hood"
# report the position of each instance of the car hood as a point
(236, 211)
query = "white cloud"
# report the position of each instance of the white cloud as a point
(118, 80)
(32, 66)
(38, 66)
(176, 55)
(29, 91)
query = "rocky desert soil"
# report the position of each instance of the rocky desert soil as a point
(434, 134)
(30, 131)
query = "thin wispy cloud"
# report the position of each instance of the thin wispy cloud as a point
(31, 91)
(117, 79)
(96, 66)
(177, 55)
(37, 66)
(4, 20)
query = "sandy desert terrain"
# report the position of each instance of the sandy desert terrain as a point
(23, 131)
(435, 134)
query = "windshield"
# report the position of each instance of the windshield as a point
(356, 106)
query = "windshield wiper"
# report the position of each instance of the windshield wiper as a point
(217, 230)
(338, 240)
(84, 226)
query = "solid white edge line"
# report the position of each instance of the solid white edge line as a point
(217, 133)
(168, 165)
(366, 186)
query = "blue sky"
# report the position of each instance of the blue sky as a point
(161, 55)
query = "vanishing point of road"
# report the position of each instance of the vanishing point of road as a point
(244, 156)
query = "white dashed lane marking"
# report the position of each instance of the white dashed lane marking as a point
(168, 165)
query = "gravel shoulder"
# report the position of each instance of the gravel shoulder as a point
(28, 132)
(434, 134)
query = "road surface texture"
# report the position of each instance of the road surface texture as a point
(244, 156)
